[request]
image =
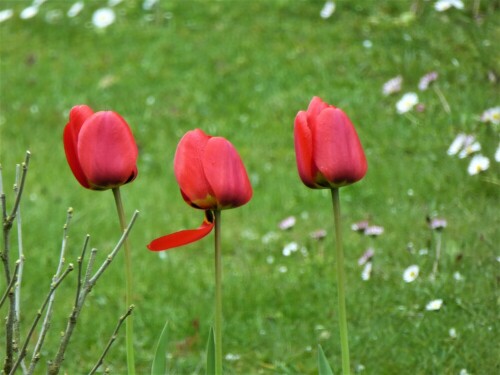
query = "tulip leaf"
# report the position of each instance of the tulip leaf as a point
(323, 366)
(159, 360)
(211, 353)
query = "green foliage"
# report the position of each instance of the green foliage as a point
(159, 361)
(210, 370)
(323, 365)
(242, 70)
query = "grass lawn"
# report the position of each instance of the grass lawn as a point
(243, 69)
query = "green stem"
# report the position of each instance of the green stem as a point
(344, 344)
(129, 330)
(218, 297)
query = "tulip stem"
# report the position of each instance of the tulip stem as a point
(344, 344)
(129, 330)
(218, 297)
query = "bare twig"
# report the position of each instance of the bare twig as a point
(111, 340)
(80, 260)
(48, 313)
(21, 187)
(89, 283)
(11, 284)
(53, 288)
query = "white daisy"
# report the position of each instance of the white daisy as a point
(103, 17)
(374, 230)
(287, 223)
(29, 12)
(327, 10)
(392, 86)
(497, 154)
(290, 248)
(407, 102)
(478, 163)
(443, 5)
(469, 149)
(75, 9)
(457, 144)
(411, 273)
(367, 271)
(426, 80)
(453, 333)
(434, 305)
(491, 115)
(6, 14)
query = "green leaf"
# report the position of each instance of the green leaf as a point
(159, 361)
(211, 353)
(323, 366)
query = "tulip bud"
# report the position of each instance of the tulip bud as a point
(327, 148)
(100, 149)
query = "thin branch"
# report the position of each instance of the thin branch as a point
(11, 284)
(48, 313)
(110, 257)
(53, 288)
(80, 260)
(21, 186)
(112, 339)
(89, 283)
(90, 266)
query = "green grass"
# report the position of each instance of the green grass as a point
(242, 70)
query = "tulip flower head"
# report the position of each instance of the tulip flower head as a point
(327, 148)
(211, 177)
(100, 148)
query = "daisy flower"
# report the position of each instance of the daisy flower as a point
(411, 273)
(471, 146)
(443, 5)
(437, 223)
(434, 305)
(318, 234)
(497, 154)
(392, 86)
(478, 163)
(457, 144)
(327, 10)
(426, 80)
(103, 17)
(367, 256)
(367, 272)
(287, 223)
(6, 14)
(29, 12)
(75, 9)
(290, 248)
(407, 102)
(374, 231)
(491, 115)
(360, 226)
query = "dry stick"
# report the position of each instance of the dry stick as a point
(112, 339)
(11, 345)
(89, 283)
(53, 288)
(48, 313)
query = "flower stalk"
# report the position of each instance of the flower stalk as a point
(129, 329)
(218, 295)
(344, 344)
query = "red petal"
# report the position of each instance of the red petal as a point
(188, 169)
(77, 117)
(316, 106)
(182, 237)
(338, 153)
(303, 150)
(226, 174)
(107, 151)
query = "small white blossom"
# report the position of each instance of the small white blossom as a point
(374, 230)
(478, 163)
(463, 372)
(411, 273)
(469, 149)
(290, 248)
(6, 14)
(443, 5)
(407, 102)
(426, 80)
(457, 144)
(453, 333)
(232, 357)
(491, 115)
(434, 305)
(423, 252)
(103, 17)
(327, 9)
(367, 271)
(392, 86)
(458, 276)
(366, 257)
(282, 269)
(29, 12)
(75, 9)
(287, 223)
(367, 43)
(497, 154)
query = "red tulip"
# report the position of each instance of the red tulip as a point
(211, 177)
(100, 148)
(327, 148)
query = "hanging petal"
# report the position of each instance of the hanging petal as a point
(183, 237)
